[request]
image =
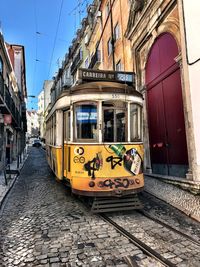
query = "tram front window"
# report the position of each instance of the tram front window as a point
(120, 125)
(86, 121)
(114, 125)
(109, 125)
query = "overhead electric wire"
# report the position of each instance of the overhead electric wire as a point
(36, 43)
(78, 6)
(55, 38)
(49, 36)
(80, 11)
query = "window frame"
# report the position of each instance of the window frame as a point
(87, 62)
(107, 9)
(114, 108)
(119, 63)
(139, 123)
(67, 118)
(109, 46)
(116, 32)
(1, 66)
(86, 140)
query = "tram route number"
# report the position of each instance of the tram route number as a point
(116, 183)
(115, 96)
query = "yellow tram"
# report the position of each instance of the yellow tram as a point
(94, 139)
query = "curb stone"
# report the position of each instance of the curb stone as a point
(10, 186)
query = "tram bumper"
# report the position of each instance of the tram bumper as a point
(110, 193)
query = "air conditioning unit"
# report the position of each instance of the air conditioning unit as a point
(86, 39)
(99, 14)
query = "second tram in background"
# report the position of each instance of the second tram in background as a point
(94, 139)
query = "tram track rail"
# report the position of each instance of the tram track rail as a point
(138, 243)
(147, 215)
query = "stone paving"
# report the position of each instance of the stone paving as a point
(7, 182)
(171, 216)
(176, 248)
(177, 197)
(42, 225)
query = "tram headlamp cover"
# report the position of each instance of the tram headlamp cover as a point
(137, 181)
(91, 184)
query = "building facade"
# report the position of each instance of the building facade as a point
(160, 56)
(153, 39)
(40, 113)
(32, 124)
(190, 65)
(44, 99)
(12, 102)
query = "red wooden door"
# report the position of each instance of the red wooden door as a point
(165, 109)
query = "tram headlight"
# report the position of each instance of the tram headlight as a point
(91, 184)
(137, 181)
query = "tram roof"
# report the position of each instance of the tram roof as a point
(98, 87)
(101, 87)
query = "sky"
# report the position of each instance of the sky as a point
(45, 28)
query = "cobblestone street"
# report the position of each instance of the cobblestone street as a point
(43, 225)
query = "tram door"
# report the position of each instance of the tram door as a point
(66, 148)
(165, 109)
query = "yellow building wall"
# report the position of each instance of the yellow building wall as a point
(120, 14)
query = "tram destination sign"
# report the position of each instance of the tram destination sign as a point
(107, 76)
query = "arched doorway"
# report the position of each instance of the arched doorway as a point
(168, 146)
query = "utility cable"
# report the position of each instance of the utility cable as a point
(36, 43)
(55, 38)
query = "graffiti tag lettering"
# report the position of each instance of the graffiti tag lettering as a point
(90, 167)
(116, 183)
(94, 165)
(114, 161)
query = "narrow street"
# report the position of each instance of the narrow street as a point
(99, 133)
(43, 225)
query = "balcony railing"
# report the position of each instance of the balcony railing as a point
(9, 103)
(95, 60)
(77, 61)
(1, 87)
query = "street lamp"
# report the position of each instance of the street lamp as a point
(33, 96)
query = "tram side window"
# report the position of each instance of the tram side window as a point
(51, 131)
(86, 121)
(67, 128)
(136, 122)
(54, 129)
(47, 132)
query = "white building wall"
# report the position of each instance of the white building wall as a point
(41, 113)
(191, 63)
(17, 67)
(47, 93)
(32, 123)
(41, 102)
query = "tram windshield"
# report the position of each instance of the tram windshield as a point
(112, 125)
(86, 121)
(114, 122)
